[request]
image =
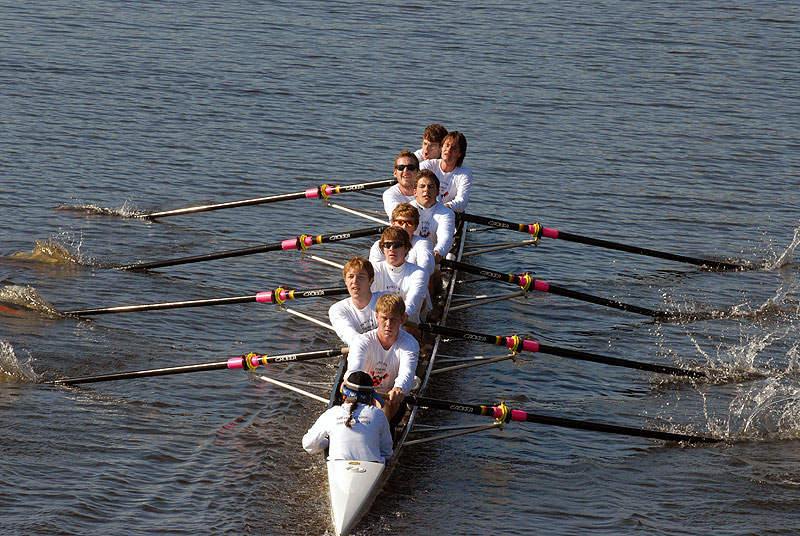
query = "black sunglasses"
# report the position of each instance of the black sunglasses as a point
(396, 244)
(401, 167)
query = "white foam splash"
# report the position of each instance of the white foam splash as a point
(28, 298)
(786, 257)
(12, 367)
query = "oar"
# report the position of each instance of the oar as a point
(527, 282)
(537, 231)
(249, 361)
(301, 242)
(324, 191)
(506, 414)
(279, 295)
(516, 343)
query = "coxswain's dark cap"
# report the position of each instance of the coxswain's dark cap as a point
(359, 382)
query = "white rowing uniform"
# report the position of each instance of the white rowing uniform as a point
(349, 321)
(453, 186)
(408, 280)
(389, 368)
(367, 439)
(438, 225)
(421, 254)
(393, 197)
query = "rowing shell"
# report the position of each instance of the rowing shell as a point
(354, 484)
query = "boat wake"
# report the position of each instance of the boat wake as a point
(11, 368)
(125, 211)
(17, 300)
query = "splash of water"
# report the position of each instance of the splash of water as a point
(13, 368)
(89, 209)
(27, 298)
(786, 257)
(49, 251)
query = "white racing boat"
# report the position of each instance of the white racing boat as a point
(354, 484)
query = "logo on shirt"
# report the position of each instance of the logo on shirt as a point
(377, 379)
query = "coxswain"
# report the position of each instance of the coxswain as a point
(355, 430)
(454, 177)
(436, 221)
(406, 166)
(396, 275)
(431, 142)
(355, 315)
(389, 354)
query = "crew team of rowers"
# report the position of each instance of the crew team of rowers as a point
(394, 285)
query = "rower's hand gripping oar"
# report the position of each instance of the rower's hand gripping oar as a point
(538, 231)
(505, 414)
(277, 296)
(323, 191)
(516, 344)
(528, 283)
(301, 242)
(246, 362)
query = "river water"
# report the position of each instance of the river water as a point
(666, 125)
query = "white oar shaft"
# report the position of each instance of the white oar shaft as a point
(358, 213)
(291, 388)
(498, 248)
(489, 300)
(311, 319)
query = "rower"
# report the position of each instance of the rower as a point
(455, 178)
(437, 222)
(406, 166)
(354, 430)
(389, 354)
(406, 216)
(431, 142)
(398, 276)
(355, 315)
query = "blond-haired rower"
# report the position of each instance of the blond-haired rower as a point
(388, 354)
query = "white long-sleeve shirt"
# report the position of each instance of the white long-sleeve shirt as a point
(408, 280)
(438, 225)
(367, 439)
(393, 197)
(390, 368)
(421, 254)
(349, 321)
(454, 186)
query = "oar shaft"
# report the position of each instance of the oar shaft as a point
(320, 191)
(249, 361)
(555, 234)
(531, 346)
(301, 242)
(526, 283)
(507, 414)
(278, 295)
(160, 306)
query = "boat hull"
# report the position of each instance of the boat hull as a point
(353, 485)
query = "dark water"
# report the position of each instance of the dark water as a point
(664, 125)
